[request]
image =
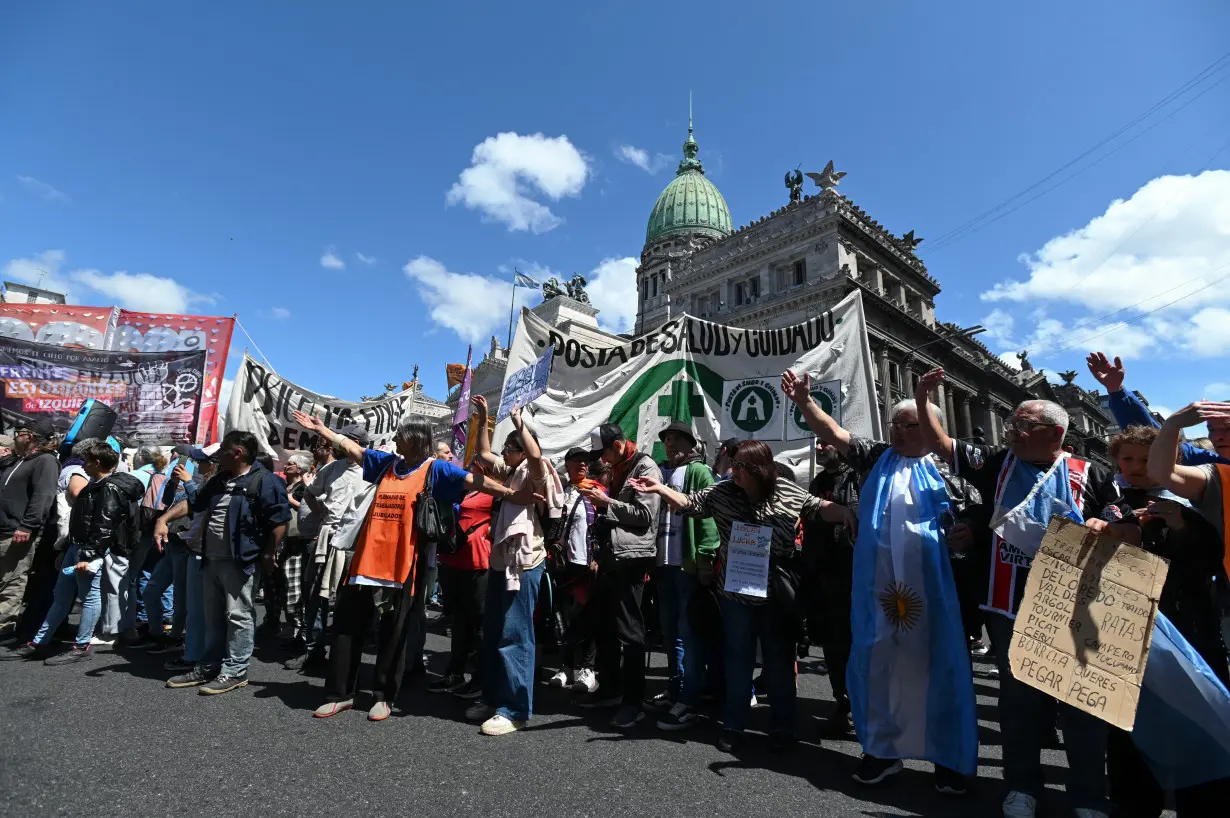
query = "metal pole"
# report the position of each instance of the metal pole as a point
(811, 466)
(512, 302)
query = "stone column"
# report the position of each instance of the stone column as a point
(989, 423)
(886, 396)
(950, 412)
(967, 427)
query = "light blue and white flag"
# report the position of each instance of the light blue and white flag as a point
(911, 689)
(1183, 718)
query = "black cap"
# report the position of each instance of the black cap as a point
(198, 455)
(577, 453)
(39, 427)
(358, 434)
(729, 447)
(602, 437)
(680, 427)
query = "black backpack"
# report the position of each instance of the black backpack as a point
(434, 520)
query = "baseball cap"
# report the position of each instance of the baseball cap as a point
(602, 438)
(680, 427)
(357, 433)
(6, 441)
(40, 428)
(729, 446)
(577, 453)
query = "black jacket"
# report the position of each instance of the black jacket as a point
(105, 517)
(27, 492)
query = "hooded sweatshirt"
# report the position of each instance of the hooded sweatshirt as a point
(27, 492)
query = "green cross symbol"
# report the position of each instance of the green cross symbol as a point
(683, 404)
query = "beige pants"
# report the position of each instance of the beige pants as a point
(15, 560)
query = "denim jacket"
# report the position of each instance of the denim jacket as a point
(249, 521)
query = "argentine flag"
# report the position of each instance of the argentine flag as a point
(911, 688)
(1183, 718)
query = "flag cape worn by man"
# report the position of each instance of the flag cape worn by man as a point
(911, 688)
(1183, 719)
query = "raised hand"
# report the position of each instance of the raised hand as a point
(796, 388)
(515, 416)
(479, 404)
(1199, 412)
(309, 422)
(1110, 375)
(928, 382)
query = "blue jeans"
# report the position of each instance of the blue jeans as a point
(683, 651)
(170, 573)
(68, 588)
(508, 644)
(743, 624)
(194, 611)
(230, 618)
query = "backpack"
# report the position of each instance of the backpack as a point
(151, 506)
(434, 520)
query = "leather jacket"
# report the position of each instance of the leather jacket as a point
(105, 517)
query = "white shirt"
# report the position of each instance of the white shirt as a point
(578, 527)
(335, 485)
(670, 531)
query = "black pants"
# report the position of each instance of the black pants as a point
(969, 575)
(620, 635)
(466, 592)
(836, 638)
(573, 596)
(356, 605)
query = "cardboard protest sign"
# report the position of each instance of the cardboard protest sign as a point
(1083, 630)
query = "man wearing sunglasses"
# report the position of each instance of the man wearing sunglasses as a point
(1029, 481)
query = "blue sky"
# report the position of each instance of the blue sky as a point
(305, 164)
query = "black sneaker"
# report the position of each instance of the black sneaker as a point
(627, 716)
(836, 726)
(470, 690)
(679, 717)
(949, 782)
(77, 654)
(224, 684)
(782, 743)
(873, 770)
(178, 665)
(446, 684)
(195, 677)
(730, 741)
(659, 703)
(165, 644)
(136, 639)
(26, 651)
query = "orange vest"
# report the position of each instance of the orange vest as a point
(385, 549)
(1223, 472)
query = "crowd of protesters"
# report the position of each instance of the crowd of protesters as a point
(561, 573)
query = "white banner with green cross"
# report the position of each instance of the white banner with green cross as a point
(723, 380)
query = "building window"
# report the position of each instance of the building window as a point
(753, 288)
(739, 292)
(644, 288)
(799, 273)
(655, 285)
(894, 375)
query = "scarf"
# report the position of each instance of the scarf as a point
(621, 470)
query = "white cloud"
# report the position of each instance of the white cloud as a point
(471, 305)
(1164, 411)
(508, 169)
(1169, 242)
(42, 190)
(612, 289)
(141, 291)
(1010, 360)
(276, 314)
(632, 155)
(41, 271)
(1217, 391)
(368, 260)
(332, 261)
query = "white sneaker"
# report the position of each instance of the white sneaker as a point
(1021, 805)
(1085, 812)
(754, 702)
(479, 712)
(560, 679)
(498, 725)
(586, 681)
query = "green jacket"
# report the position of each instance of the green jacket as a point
(700, 534)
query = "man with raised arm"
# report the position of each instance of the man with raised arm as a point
(1029, 481)
(909, 680)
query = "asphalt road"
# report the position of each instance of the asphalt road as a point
(107, 738)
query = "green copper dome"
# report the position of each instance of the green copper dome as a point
(690, 203)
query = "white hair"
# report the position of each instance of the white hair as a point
(303, 461)
(1049, 412)
(901, 406)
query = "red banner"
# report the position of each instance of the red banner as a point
(57, 324)
(159, 332)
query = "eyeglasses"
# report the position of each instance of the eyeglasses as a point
(23, 433)
(904, 426)
(1025, 425)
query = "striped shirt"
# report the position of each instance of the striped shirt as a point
(726, 504)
